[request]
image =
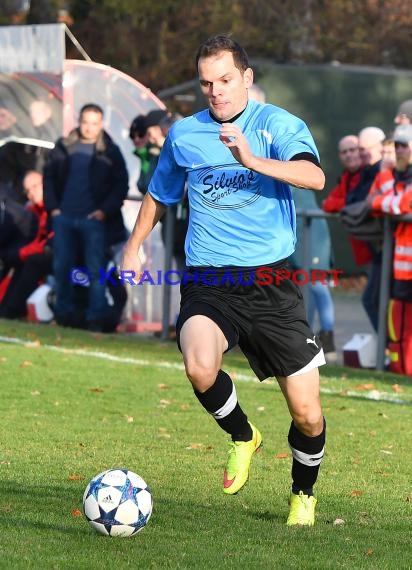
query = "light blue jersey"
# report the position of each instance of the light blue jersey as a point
(237, 216)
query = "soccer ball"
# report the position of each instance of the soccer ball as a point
(117, 502)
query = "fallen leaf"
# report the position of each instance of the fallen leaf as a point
(3, 359)
(77, 513)
(281, 455)
(397, 389)
(338, 522)
(355, 493)
(25, 364)
(184, 406)
(261, 409)
(163, 386)
(369, 552)
(195, 446)
(408, 498)
(33, 344)
(364, 387)
(164, 403)
(97, 390)
(163, 433)
(35, 393)
(75, 477)
(129, 419)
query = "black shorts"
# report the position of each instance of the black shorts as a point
(267, 320)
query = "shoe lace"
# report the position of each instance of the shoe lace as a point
(304, 501)
(233, 446)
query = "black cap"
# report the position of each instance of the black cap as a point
(138, 127)
(155, 117)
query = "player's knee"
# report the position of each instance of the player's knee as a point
(309, 422)
(202, 375)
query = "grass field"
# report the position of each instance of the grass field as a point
(74, 404)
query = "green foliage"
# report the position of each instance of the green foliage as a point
(155, 41)
(68, 412)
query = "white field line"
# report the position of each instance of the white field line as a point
(373, 395)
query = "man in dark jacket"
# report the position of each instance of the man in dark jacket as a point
(85, 183)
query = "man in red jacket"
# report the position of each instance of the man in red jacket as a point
(33, 261)
(348, 148)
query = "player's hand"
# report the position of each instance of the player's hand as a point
(129, 268)
(232, 137)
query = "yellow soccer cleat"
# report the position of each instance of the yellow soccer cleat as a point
(236, 473)
(302, 510)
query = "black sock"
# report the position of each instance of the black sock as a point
(220, 400)
(307, 455)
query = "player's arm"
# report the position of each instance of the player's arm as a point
(302, 171)
(149, 214)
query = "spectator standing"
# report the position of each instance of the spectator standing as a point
(85, 183)
(33, 261)
(319, 299)
(147, 155)
(348, 149)
(153, 130)
(370, 148)
(148, 134)
(370, 151)
(391, 192)
(158, 124)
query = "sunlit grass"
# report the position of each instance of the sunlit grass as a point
(69, 412)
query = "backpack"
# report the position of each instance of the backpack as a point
(358, 221)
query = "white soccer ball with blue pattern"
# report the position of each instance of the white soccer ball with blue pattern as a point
(117, 502)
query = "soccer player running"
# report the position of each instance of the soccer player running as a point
(238, 158)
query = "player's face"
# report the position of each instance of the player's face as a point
(224, 85)
(90, 125)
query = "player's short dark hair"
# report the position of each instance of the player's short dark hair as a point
(217, 44)
(91, 107)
